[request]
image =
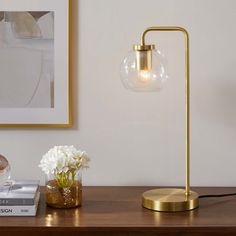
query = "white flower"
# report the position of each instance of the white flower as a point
(63, 158)
(84, 160)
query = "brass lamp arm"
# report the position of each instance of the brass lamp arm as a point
(163, 28)
(187, 94)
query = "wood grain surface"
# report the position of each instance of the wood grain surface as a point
(118, 211)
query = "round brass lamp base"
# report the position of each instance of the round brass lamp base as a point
(170, 199)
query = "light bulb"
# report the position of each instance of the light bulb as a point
(137, 79)
(144, 76)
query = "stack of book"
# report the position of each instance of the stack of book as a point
(19, 198)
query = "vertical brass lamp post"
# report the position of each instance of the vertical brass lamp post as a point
(144, 70)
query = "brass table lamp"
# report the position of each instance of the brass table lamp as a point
(144, 70)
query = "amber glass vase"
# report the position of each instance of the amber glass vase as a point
(66, 193)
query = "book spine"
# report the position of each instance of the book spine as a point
(16, 201)
(18, 210)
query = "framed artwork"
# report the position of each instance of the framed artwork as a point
(35, 81)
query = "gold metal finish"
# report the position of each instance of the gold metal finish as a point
(144, 60)
(157, 203)
(70, 121)
(170, 199)
(144, 56)
(140, 47)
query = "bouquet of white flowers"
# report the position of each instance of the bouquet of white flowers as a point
(64, 162)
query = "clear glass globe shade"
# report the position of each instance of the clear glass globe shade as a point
(144, 80)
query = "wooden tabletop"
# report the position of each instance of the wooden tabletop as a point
(118, 211)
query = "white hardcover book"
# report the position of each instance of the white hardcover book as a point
(16, 193)
(20, 210)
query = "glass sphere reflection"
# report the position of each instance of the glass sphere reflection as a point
(5, 170)
(144, 80)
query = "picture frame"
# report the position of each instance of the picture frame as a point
(35, 51)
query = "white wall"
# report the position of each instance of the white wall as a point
(138, 138)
